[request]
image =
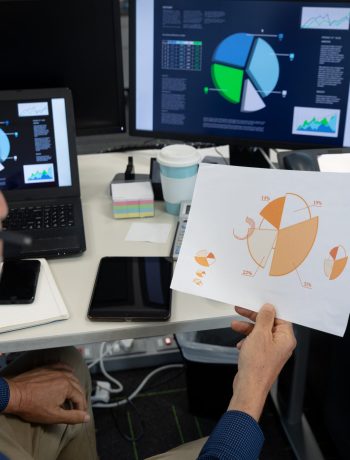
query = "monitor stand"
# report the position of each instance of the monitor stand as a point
(248, 156)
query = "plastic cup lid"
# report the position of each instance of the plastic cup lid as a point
(178, 156)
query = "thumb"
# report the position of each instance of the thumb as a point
(266, 317)
(73, 417)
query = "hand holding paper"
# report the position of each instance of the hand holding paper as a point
(269, 344)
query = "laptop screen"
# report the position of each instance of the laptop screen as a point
(34, 146)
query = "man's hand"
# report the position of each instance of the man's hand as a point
(48, 395)
(267, 347)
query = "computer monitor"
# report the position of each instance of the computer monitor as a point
(243, 72)
(67, 43)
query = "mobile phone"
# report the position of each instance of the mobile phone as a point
(18, 281)
(132, 289)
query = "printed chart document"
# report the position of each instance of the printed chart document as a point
(48, 305)
(262, 235)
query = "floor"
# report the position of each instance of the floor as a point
(159, 419)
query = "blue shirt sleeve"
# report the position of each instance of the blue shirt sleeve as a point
(237, 436)
(2, 457)
(4, 394)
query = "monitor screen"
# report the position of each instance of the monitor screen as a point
(245, 72)
(67, 43)
(34, 147)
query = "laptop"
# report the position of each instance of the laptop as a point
(39, 172)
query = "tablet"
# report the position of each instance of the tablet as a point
(132, 289)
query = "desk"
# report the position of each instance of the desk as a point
(105, 236)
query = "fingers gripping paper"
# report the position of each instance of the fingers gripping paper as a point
(256, 236)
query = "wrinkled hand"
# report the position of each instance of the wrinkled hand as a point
(263, 353)
(48, 395)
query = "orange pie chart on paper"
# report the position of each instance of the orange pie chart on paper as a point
(205, 258)
(335, 264)
(285, 235)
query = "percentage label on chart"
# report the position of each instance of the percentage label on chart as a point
(307, 285)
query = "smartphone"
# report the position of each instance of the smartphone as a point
(132, 289)
(18, 281)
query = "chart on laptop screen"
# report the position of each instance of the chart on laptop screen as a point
(34, 150)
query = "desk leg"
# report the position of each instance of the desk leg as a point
(294, 422)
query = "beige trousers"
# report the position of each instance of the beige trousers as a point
(20, 440)
(188, 451)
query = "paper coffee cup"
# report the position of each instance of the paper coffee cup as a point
(178, 171)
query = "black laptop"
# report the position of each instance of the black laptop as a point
(39, 172)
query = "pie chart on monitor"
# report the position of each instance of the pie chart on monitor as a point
(285, 236)
(4, 146)
(245, 70)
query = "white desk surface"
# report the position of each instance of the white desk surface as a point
(105, 236)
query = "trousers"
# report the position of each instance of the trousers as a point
(20, 440)
(188, 451)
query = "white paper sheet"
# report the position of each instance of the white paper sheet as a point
(152, 233)
(260, 235)
(132, 191)
(334, 162)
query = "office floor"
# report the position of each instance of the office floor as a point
(158, 420)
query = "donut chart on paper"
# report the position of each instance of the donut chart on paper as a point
(204, 258)
(336, 262)
(285, 235)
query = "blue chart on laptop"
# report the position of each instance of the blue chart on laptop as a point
(39, 172)
(33, 144)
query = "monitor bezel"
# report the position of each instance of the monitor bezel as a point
(118, 65)
(118, 60)
(110, 121)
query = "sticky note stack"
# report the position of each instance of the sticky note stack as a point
(132, 199)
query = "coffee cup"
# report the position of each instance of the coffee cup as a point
(178, 171)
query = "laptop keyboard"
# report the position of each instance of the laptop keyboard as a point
(40, 217)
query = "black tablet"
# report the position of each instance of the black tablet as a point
(132, 289)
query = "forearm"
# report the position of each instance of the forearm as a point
(249, 397)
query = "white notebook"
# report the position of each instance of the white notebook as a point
(48, 305)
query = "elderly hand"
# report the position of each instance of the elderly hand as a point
(263, 353)
(48, 395)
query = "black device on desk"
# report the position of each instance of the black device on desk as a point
(39, 172)
(18, 281)
(301, 161)
(132, 289)
(224, 74)
(154, 175)
(306, 160)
